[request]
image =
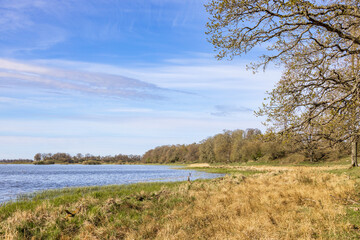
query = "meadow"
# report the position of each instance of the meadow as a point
(258, 201)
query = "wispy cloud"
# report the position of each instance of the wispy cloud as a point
(8, 100)
(225, 110)
(130, 110)
(196, 71)
(115, 76)
(14, 74)
(22, 26)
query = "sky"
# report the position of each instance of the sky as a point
(117, 76)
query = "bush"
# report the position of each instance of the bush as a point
(46, 162)
(91, 162)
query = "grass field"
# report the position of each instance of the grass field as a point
(250, 202)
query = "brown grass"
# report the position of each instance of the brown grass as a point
(293, 205)
(300, 203)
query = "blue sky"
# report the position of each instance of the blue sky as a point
(117, 76)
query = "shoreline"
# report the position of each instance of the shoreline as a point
(287, 202)
(171, 176)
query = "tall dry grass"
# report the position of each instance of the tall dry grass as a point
(302, 204)
(292, 205)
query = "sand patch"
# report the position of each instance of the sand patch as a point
(199, 165)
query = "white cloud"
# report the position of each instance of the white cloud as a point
(225, 110)
(192, 73)
(129, 110)
(19, 75)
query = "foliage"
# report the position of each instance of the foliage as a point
(317, 42)
(301, 204)
(87, 159)
(242, 146)
(91, 162)
(44, 162)
(16, 161)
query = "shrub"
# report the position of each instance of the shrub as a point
(91, 162)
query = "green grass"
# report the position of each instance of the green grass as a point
(352, 172)
(341, 161)
(65, 196)
(114, 207)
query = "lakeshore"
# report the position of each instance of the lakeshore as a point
(18, 181)
(250, 202)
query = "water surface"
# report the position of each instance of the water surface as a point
(17, 179)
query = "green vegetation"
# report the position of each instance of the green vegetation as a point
(317, 204)
(317, 44)
(249, 146)
(295, 188)
(124, 207)
(91, 162)
(16, 161)
(46, 162)
(87, 159)
(353, 173)
(59, 197)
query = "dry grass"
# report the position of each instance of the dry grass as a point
(267, 168)
(195, 165)
(281, 204)
(293, 205)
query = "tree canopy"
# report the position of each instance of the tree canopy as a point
(317, 43)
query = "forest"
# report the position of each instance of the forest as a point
(230, 146)
(17, 161)
(87, 159)
(249, 145)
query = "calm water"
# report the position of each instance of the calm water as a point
(18, 179)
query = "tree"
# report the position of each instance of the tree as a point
(317, 42)
(237, 142)
(251, 133)
(206, 150)
(192, 154)
(222, 146)
(37, 157)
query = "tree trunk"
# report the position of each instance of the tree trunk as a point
(354, 146)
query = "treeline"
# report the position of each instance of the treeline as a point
(248, 145)
(65, 158)
(17, 161)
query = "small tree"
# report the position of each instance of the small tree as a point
(37, 157)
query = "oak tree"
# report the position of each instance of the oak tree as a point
(317, 43)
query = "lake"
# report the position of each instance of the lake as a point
(17, 179)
